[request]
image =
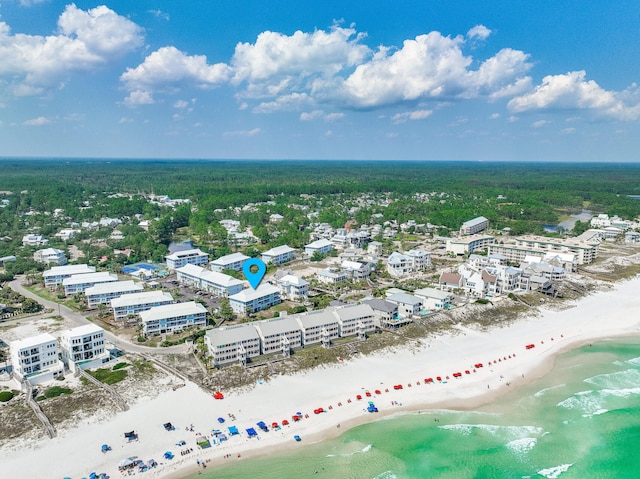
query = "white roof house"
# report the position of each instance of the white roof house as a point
(233, 261)
(249, 301)
(50, 256)
(434, 298)
(293, 287)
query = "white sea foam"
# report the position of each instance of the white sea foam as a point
(366, 448)
(508, 432)
(544, 391)
(386, 475)
(595, 402)
(523, 445)
(553, 472)
(628, 378)
(634, 361)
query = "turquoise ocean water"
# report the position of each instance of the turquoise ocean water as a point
(582, 420)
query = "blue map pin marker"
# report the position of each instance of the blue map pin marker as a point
(254, 278)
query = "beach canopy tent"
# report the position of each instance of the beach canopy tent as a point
(220, 420)
(105, 447)
(251, 432)
(262, 426)
(168, 426)
(130, 435)
(128, 462)
(152, 463)
(168, 455)
(233, 430)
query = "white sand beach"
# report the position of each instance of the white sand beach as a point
(506, 363)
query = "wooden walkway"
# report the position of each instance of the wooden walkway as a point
(36, 409)
(115, 396)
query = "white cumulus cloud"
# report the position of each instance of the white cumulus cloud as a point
(479, 31)
(40, 121)
(571, 91)
(411, 115)
(169, 69)
(85, 40)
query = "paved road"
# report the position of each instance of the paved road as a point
(77, 319)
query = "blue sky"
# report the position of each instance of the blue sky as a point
(333, 79)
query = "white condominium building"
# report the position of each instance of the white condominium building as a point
(293, 287)
(79, 283)
(249, 301)
(84, 347)
(128, 306)
(474, 226)
(232, 344)
(218, 284)
(233, 262)
(172, 318)
(278, 255)
(103, 293)
(54, 276)
(279, 335)
(36, 359)
(321, 246)
(191, 256)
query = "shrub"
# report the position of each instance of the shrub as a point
(55, 391)
(120, 366)
(6, 396)
(107, 376)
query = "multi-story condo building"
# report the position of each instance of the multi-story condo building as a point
(103, 293)
(54, 276)
(318, 327)
(126, 308)
(50, 256)
(36, 359)
(191, 256)
(474, 226)
(84, 347)
(79, 283)
(172, 318)
(249, 301)
(468, 245)
(279, 335)
(402, 264)
(232, 344)
(322, 246)
(355, 320)
(538, 246)
(219, 284)
(278, 255)
(233, 262)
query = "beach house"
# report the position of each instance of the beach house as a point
(34, 240)
(249, 301)
(128, 306)
(232, 344)
(386, 314)
(103, 293)
(83, 347)
(408, 305)
(54, 276)
(293, 287)
(50, 256)
(332, 275)
(35, 359)
(434, 298)
(191, 256)
(172, 318)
